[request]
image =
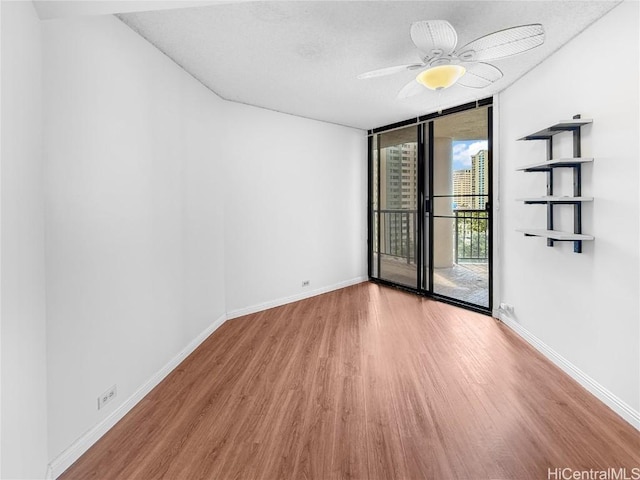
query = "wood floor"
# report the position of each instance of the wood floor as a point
(364, 382)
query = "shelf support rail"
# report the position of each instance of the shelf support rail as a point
(577, 181)
(550, 189)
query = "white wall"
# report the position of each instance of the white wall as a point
(23, 431)
(295, 207)
(585, 306)
(168, 208)
(134, 216)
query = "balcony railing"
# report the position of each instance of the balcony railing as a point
(472, 236)
(398, 237)
(397, 234)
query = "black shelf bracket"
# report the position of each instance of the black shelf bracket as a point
(577, 190)
(547, 134)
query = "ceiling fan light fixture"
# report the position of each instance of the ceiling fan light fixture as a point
(442, 76)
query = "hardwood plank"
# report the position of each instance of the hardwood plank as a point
(316, 448)
(364, 382)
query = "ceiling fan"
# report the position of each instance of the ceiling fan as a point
(443, 65)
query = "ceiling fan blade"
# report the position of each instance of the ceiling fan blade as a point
(410, 89)
(479, 75)
(434, 37)
(389, 71)
(503, 43)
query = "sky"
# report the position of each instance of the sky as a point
(462, 152)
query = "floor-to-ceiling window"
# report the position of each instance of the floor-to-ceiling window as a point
(430, 205)
(396, 206)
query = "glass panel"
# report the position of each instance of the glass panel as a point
(460, 219)
(448, 206)
(397, 213)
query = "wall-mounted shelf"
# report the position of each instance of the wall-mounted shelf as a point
(556, 235)
(544, 200)
(555, 163)
(562, 126)
(551, 200)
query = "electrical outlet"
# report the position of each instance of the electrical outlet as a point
(107, 396)
(505, 307)
(305, 283)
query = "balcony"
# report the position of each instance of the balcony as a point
(466, 279)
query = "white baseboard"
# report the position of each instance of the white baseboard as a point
(293, 298)
(604, 395)
(63, 461)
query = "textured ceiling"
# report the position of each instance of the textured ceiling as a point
(303, 57)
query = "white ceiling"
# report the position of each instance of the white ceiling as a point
(303, 57)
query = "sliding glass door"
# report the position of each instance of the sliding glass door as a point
(395, 206)
(430, 206)
(461, 207)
